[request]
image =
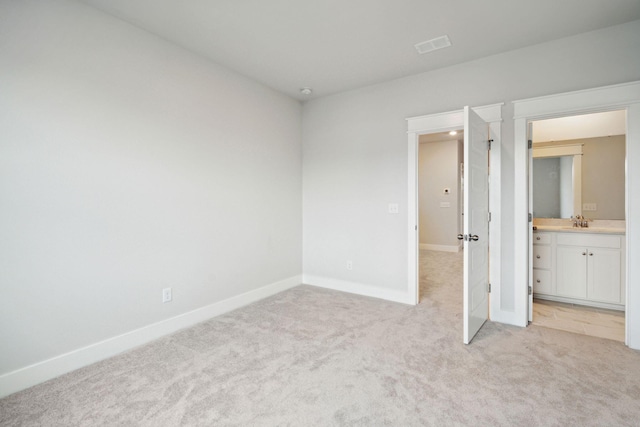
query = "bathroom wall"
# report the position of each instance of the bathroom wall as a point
(603, 176)
(603, 180)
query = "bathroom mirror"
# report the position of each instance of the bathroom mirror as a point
(583, 175)
(553, 184)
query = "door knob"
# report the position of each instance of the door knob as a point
(473, 237)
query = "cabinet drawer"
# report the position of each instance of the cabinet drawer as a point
(589, 240)
(541, 281)
(541, 256)
(541, 238)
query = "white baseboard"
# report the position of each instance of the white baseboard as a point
(28, 376)
(441, 248)
(359, 289)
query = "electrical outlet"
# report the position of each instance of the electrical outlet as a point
(349, 265)
(166, 295)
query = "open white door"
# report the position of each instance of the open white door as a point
(476, 224)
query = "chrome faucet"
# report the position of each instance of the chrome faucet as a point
(575, 220)
(580, 221)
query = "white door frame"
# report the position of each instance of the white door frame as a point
(617, 97)
(442, 122)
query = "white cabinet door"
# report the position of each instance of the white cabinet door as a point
(571, 279)
(603, 273)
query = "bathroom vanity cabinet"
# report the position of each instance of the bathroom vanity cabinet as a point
(579, 267)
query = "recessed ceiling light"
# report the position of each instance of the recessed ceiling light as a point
(453, 132)
(433, 44)
(306, 91)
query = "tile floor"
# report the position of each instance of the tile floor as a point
(596, 322)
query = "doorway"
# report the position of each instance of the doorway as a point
(577, 195)
(481, 125)
(622, 96)
(440, 190)
(440, 211)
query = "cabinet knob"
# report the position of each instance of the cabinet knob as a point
(538, 281)
(538, 256)
(590, 253)
(538, 238)
(584, 253)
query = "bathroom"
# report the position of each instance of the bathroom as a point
(578, 239)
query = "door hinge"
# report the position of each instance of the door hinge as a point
(489, 288)
(530, 144)
(416, 228)
(530, 217)
(490, 141)
(530, 290)
(489, 216)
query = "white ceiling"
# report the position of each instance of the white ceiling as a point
(337, 45)
(578, 127)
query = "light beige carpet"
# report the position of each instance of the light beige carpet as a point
(315, 357)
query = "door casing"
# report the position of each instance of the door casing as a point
(442, 122)
(624, 96)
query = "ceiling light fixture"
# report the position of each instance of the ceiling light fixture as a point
(306, 91)
(433, 44)
(453, 132)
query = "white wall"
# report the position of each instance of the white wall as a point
(128, 165)
(355, 150)
(438, 169)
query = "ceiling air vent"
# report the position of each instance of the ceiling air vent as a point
(433, 44)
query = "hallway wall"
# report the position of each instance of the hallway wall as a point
(439, 213)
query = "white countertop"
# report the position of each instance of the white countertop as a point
(570, 229)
